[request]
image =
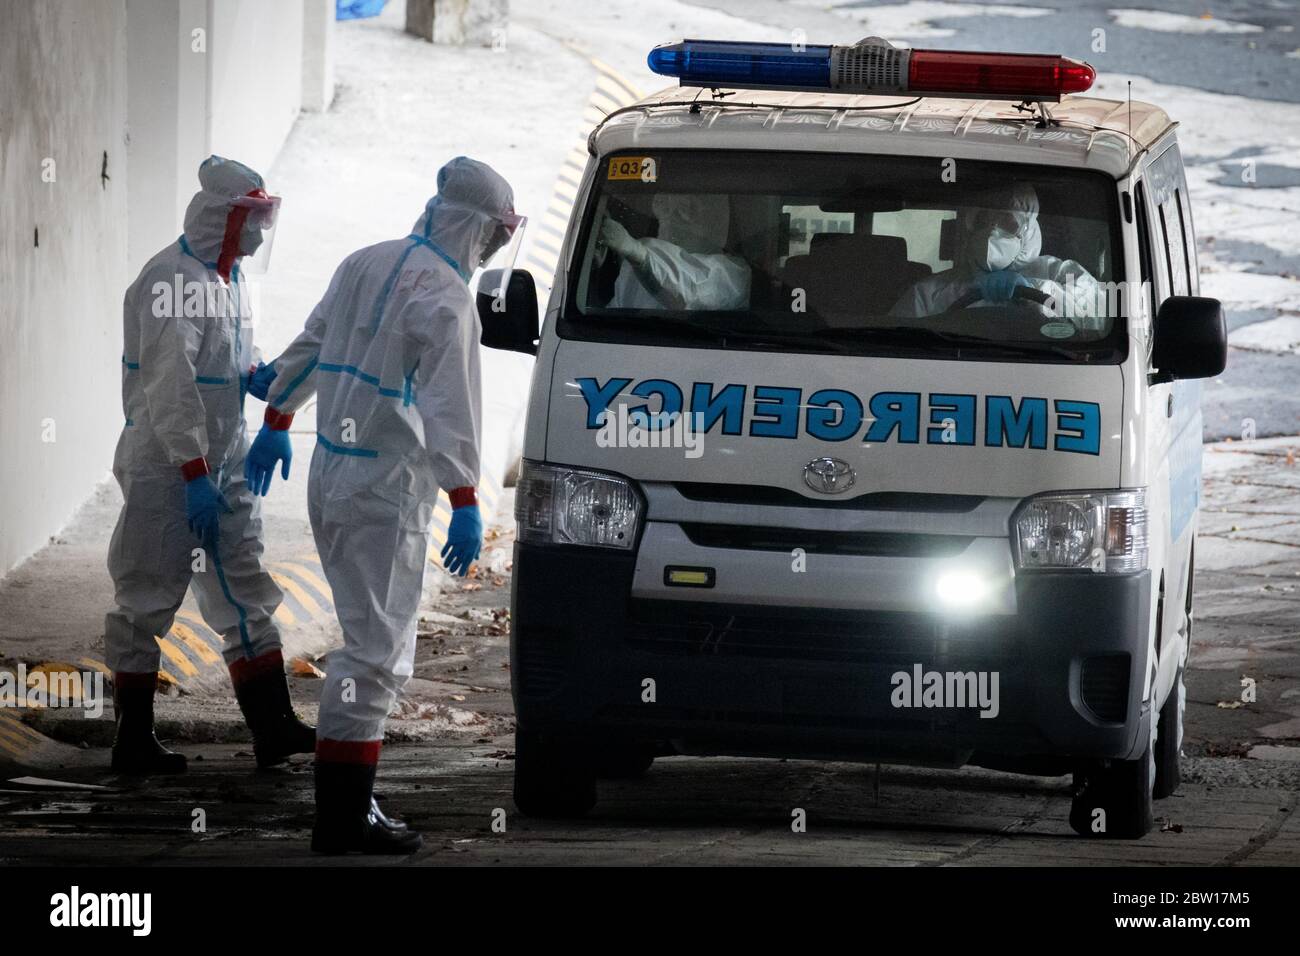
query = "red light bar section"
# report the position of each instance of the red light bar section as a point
(997, 74)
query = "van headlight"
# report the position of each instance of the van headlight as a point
(576, 506)
(1101, 532)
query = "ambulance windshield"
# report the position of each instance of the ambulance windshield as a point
(850, 253)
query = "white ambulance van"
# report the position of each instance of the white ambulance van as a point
(865, 425)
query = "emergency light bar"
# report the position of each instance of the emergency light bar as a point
(872, 66)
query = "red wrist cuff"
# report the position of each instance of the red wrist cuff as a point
(461, 497)
(195, 468)
(277, 421)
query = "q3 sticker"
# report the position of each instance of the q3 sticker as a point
(1058, 330)
(643, 168)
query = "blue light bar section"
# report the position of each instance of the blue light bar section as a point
(725, 63)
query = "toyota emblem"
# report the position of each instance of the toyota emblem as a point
(830, 476)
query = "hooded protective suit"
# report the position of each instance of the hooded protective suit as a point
(684, 267)
(1004, 236)
(188, 348)
(392, 352)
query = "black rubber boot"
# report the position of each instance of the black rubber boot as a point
(381, 819)
(347, 817)
(135, 748)
(263, 697)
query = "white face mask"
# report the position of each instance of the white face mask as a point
(999, 252)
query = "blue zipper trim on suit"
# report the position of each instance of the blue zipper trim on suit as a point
(338, 450)
(302, 377)
(234, 287)
(363, 376)
(387, 290)
(133, 366)
(397, 268)
(243, 615)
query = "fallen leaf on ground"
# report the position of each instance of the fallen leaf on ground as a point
(301, 667)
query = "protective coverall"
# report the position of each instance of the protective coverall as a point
(392, 352)
(1005, 236)
(188, 349)
(684, 267)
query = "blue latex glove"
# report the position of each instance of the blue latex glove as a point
(464, 539)
(999, 286)
(270, 447)
(203, 507)
(260, 382)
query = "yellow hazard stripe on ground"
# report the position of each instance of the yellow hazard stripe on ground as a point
(299, 593)
(16, 738)
(195, 643)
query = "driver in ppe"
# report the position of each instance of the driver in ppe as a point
(1000, 252)
(392, 353)
(684, 268)
(188, 518)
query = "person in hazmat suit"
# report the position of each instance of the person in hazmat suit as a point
(392, 354)
(1001, 251)
(684, 267)
(188, 518)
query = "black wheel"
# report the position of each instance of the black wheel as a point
(623, 763)
(553, 777)
(1114, 800)
(1169, 741)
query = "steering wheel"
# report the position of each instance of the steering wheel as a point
(1024, 295)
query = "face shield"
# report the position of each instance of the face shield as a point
(257, 235)
(498, 259)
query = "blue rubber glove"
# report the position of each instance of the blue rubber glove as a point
(270, 448)
(260, 382)
(999, 286)
(203, 507)
(464, 539)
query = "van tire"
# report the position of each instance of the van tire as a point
(553, 777)
(1169, 741)
(1123, 789)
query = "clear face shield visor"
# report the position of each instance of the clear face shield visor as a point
(259, 228)
(501, 254)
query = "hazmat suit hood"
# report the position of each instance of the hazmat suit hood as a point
(466, 218)
(1003, 233)
(695, 223)
(221, 180)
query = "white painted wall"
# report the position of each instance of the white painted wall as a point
(62, 99)
(130, 78)
(254, 78)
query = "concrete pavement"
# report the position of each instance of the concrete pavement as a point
(447, 764)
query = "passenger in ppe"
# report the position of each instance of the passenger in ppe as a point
(684, 268)
(189, 518)
(392, 353)
(1000, 251)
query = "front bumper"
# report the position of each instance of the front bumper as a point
(592, 663)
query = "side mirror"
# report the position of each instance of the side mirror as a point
(1190, 339)
(509, 320)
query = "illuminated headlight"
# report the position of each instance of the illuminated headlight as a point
(573, 506)
(1103, 532)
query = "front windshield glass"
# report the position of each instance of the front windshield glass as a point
(850, 253)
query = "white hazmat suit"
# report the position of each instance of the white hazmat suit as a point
(188, 347)
(1006, 236)
(392, 351)
(684, 267)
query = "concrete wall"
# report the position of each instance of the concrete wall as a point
(63, 97)
(254, 78)
(156, 85)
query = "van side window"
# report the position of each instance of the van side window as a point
(1171, 224)
(1189, 241)
(1145, 248)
